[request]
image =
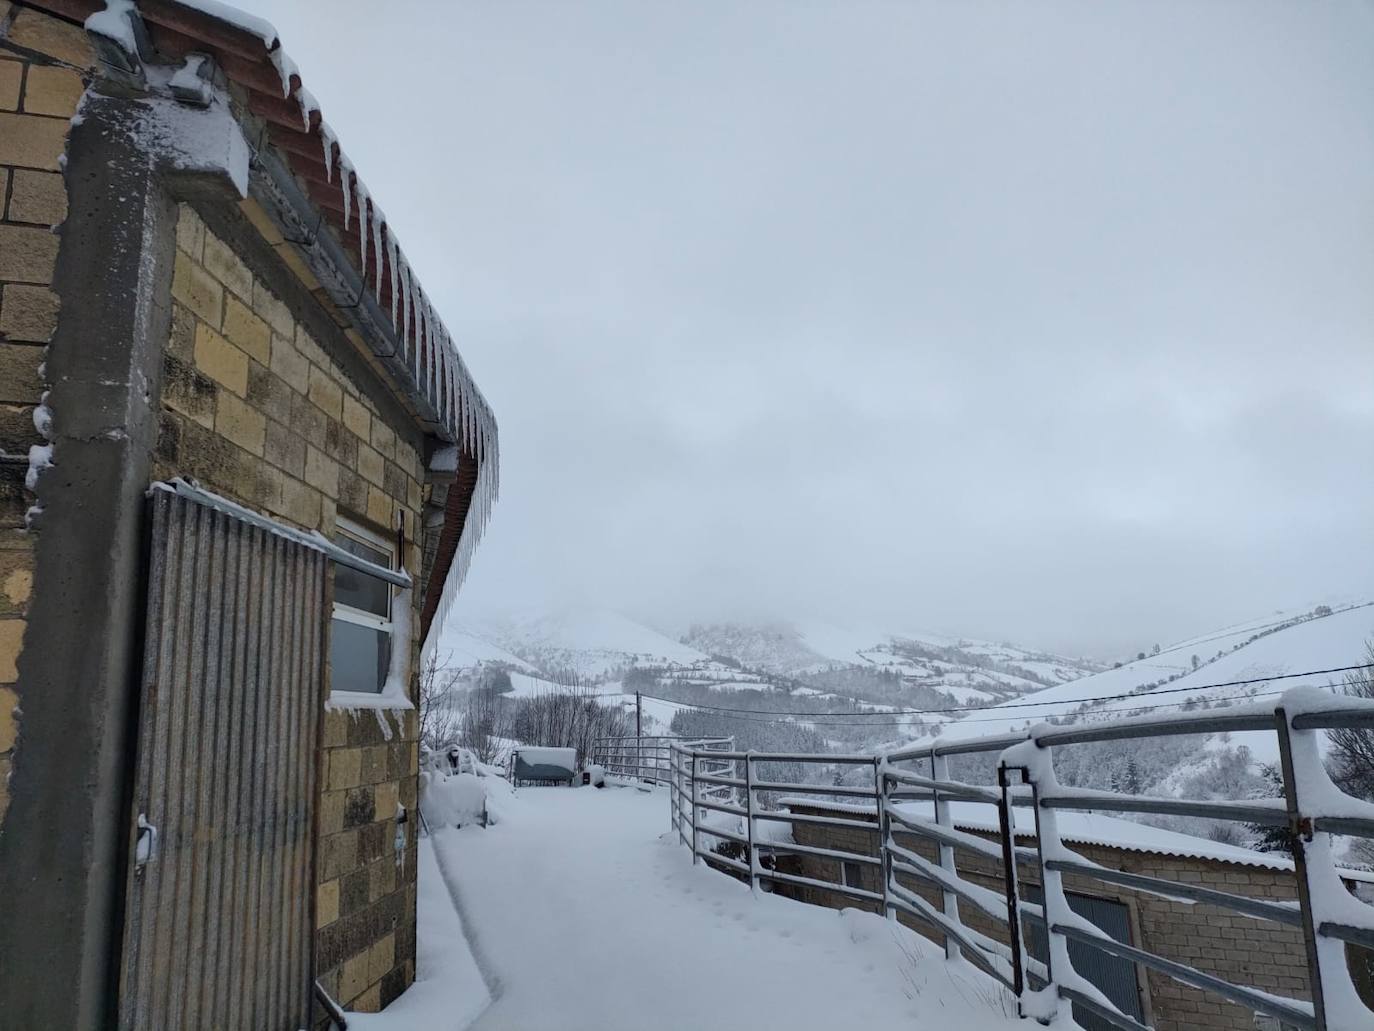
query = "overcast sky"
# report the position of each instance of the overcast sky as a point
(1051, 322)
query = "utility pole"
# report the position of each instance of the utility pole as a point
(639, 735)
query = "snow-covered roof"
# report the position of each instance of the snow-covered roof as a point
(419, 353)
(1090, 829)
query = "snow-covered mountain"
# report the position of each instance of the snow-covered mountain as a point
(589, 644)
(1187, 673)
(787, 666)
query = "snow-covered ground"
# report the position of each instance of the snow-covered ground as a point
(583, 914)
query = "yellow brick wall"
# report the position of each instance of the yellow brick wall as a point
(254, 408)
(44, 67)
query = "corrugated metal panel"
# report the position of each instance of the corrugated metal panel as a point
(1113, 976)
(220, 917)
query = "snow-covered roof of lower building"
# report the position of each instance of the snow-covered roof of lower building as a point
(1090, 829)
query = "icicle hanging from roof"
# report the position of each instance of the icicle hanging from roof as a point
(362, 227)
(327, 138)
(391, 249)
(345, 170)
(425, 347)
(378, 256)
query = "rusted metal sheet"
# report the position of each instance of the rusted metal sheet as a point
(221, 861)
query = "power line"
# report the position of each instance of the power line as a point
(1009, 707)
(843, 722)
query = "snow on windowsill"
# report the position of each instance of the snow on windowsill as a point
(366, 700)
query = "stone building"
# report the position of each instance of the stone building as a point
(1226, 944)
(242, 470)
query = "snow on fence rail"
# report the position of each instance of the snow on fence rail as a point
(646, 757)
(722, 802)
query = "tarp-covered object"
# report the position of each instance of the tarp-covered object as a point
(544, 764)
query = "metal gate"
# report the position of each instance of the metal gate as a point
(1112, 976)
(219, 924)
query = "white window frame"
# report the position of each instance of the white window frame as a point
(359, 617)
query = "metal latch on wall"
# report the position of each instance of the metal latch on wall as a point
(146, 847)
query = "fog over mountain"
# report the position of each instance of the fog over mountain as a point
(1049, 322)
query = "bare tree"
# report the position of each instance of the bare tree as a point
(1351, 760)
(569, 718)
(485, 723)
(439, 716)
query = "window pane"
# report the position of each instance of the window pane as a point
(360, 591)
(358, 657)
(373, 554)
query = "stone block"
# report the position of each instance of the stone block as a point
(20, 382)
(268, 393)
(359, 806)
(181, 336)
(353, 892)
(292, 259)
(188, 390)
(387, 795)
(9, 732)
(32, 141)
(261, 221)
(396, 483)
(339, 854)
(240, 423)
(370, 1001)
(344, 767)
(190, 233)
(28, 254)
(381, 957)
(371, 465)
(326, 394)
(352, 491)
(275, 311)
(241, 326)
(381, 878)
(220, 360)
(11, 642)
(52, 91)
(11, 76)
(332, 811)
(227, 267)
(285, 450)
(307, 420)
(380, 508)
(198, 290)
(353, 978)
(300, 504)
(335, 728)
(28, 313)
(37, 197)
(383, 439)
(62, 40)
(290, 364)
(322, 472)
(374, 768)
(356, 418)
(327, 903)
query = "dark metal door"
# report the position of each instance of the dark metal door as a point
(220, 913)
(1113, 976)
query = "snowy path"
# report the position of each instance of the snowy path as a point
(584, 915)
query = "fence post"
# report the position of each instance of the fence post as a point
(696, 854)
(672, 795)
(1049, 879)
(1300, 830)
(749, 821)
(1007, 824)
(939, 770)
(884, 833)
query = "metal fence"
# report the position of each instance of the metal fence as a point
(647, 757)
(721, 801)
